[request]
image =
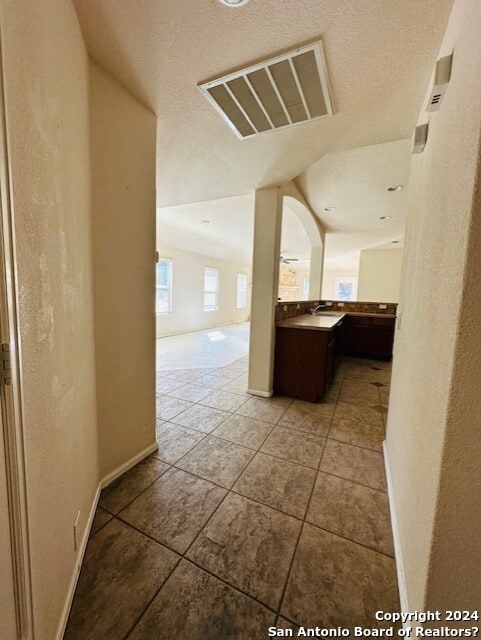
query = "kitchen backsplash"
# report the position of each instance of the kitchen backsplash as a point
(286, 310)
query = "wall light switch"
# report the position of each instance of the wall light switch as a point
(328, 304)
(340, 304)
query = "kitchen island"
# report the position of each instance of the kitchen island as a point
(305, 355)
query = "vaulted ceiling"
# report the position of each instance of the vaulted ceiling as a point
(380, 56)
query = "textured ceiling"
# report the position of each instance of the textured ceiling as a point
(356, 183)
(229, 233)
(380, 55)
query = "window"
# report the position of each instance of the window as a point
(241, 291)
(211, 289)
(305, 289)
(345, 288)
(163, 287)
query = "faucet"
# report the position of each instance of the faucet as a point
(316, 309)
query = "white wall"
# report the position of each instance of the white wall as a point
(46, 84)
(328, 280)
(188, 293)
(123, 238)
(433, 432)
(379, 275)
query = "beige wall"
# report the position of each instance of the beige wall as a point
(379, 275)
(46, 84)
(328, 280)
(292, 293)
(123, 239)
(433, 434)
(188, 293)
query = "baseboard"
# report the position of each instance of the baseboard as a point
(401, 577)
(76, 574)
(83, 546)
(116, 473)
(262, 394)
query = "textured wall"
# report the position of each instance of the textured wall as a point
(46, 84)
(123, 240)
(380, 275)
(433, 440)
(188, 293)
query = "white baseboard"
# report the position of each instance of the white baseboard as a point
(83, 546)
(76, 574)
(116, 473)
(401, 577)
(262, 394)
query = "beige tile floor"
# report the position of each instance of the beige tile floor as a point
(253, 512)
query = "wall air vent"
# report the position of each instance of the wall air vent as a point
(277, 93)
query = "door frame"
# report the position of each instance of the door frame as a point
(11, 394)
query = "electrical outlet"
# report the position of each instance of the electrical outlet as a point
(383, 306)
(76, 532)
(340, 304)
(285, 307)
(298, 306)
(328, 304)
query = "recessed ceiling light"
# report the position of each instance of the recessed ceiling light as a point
(385, 218)
(205, 222)
(396, 187)
(329, 208)
(234, 3)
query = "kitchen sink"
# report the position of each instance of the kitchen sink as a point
(333, 314)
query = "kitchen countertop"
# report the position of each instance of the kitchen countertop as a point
(316, 323)
(369, 315)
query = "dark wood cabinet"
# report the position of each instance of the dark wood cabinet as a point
(304, 362)
(369, 336)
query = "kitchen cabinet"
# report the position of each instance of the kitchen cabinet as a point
(369, 336)
(305, 361)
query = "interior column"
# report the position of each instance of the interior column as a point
(315, 272)
(265, 280)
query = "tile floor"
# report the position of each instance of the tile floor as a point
(253, 513)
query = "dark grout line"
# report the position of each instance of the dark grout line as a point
(339, 535)
(229, 491)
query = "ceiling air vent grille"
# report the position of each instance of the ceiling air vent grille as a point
(281, 92)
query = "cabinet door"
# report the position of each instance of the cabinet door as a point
(330, 360)
(357, 337)
(382, 337)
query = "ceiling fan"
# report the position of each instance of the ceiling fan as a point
(288, 260)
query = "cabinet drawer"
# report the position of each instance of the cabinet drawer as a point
(383, 322)
(363, 320)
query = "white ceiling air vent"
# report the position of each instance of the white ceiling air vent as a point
(277, 93)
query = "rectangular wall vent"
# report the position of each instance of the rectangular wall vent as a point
(277, 93)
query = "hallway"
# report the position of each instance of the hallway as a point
(253, 513)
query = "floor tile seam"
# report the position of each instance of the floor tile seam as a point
(132, 628)
(298, 464)
(91, 535)
(209, 435)
(231, 585)
(199, 403)
(238, 414)
(309, 433)
(184, 454)
(140, 493)
(359, 544)
(355, 445)
(291, 564)
(212, 433)
(292, 430)
(360, 484)
(150, 536)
